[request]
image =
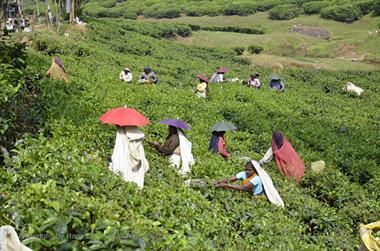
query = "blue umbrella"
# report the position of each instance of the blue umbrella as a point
(176, 123)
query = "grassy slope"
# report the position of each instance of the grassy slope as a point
(166, 214)
(278, 41)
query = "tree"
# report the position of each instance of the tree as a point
(74, 7)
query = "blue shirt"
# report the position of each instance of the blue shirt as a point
(257, 188)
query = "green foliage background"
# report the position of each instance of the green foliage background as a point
(58, 193)
(339, 10)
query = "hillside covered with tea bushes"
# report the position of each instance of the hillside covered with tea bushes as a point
(59, 194)
(339, 10)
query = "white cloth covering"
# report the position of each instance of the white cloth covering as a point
(350, 87)
(128, 158)
(9, 240)
(201, 94)
(186, 160)
(125, 77)
(270, 191)
(217, 78)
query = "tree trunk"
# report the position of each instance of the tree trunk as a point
(38, 11)
(47, 14)
(2, 16)
(72, 12)
(58, 14)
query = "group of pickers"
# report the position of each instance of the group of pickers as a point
(149, 77)
(128, 158)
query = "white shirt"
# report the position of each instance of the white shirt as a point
(126, 77)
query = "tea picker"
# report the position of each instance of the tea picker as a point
(128, 157)
(177, 146)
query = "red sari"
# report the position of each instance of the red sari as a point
(288, 161)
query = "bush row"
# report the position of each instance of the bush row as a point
(246, 30)
(253, 49)
(285, 12)
(343, 13)
(279, 10)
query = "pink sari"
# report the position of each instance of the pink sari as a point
(288, 161)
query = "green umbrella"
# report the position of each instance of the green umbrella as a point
(223, 126)
(274, 77)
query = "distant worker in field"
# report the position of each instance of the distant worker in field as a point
(57, 70)
(126, 75)
(148, 76)
(177, 146)
(218, 76)
(255, 181)
(217, 142)
(254, 81)
(287, 160)
(202, 88)
(276, 83)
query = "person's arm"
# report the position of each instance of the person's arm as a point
(267, 157)
(227, 180)
(169, 146)
(247, 187)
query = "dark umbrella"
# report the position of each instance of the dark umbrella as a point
(274, 77)
(223, 126)
(176, 123)
(202, 77)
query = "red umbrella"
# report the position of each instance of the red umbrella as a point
(222, 70)
(202, 77)
(124, 116)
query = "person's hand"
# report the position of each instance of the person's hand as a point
(154, 144)
(217, 182)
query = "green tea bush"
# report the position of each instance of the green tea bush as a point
(20, 109)
(284, 12)
(239, 50)
(376, 8)
(130, 15)
(365, 6)
(344, 13)
(265, 5)
(158, 30)
(240, 9)
(197, 11)
(108, 3)
(163, 13)
(255, 49)
(237, 29)
(314, 7)
(113, 13)
(167, 8)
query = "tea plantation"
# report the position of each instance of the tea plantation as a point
(339, 10)
(57, 190)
